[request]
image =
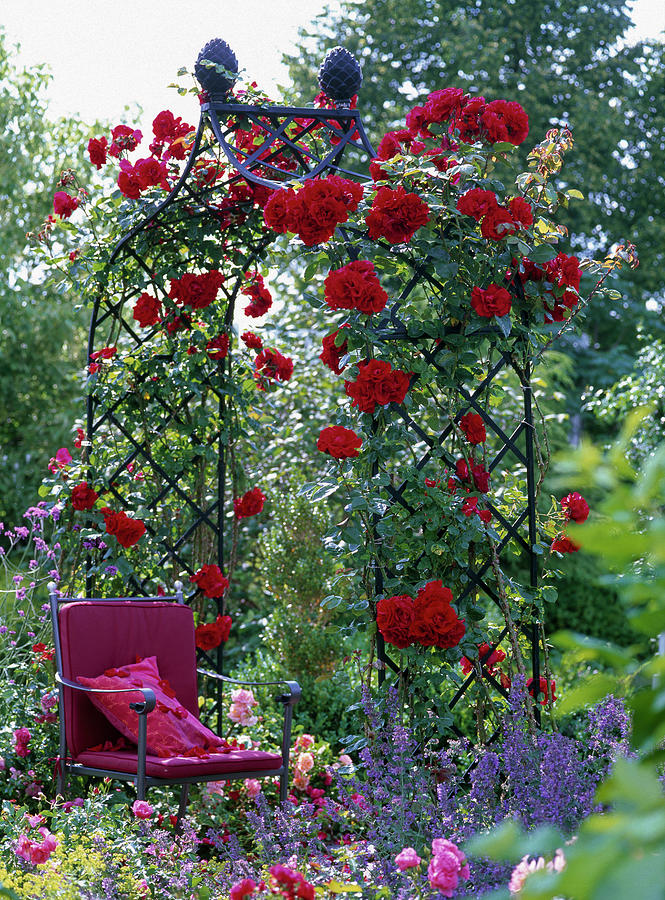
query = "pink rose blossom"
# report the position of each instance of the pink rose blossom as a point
(253, 787)
(305, 762)
(21, 739)
(301, 780)
(142, 809)
(447, 866)
(407, 859)
(304, 742)
(345, 760)
(242, 889)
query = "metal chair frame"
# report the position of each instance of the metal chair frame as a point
(141, 780)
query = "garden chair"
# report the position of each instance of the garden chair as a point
(96, 634)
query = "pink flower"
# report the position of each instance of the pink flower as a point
(242, 889)
(142, 809)
(24, 848)
(447, 866)
(522, 870)
(240, 711)
(253, 787)
(345, 759)
(305, 762)
(304, 742)
(21, 739)
(301, 780)
(407, 859)
(64, 205)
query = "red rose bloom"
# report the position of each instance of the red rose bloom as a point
(490, 661)
(521, 212)
(436, 623)
(97, 151)
(261, 299)
(317, 209)
(563, 544)
(147, 310)
(497, 224)
(151, 172)
(270, 364)
(250, 504)
(396, 215)
(491, 301)
(477, 203)
(167, 128)
(332, 353)
(575, 507)
(197, 291)
(218, 347)
(211, 581)
(83, 496)
(276, 212)
(127, 531)
(470, 506)
(474, 428)
(442, 105)
(251, 340)
(544, 689)
(339, 442)
(417, 122)
(394, 618)
(505, 121)
(104, 353)
(564, 271)
(355, 286)
(377, 383)
(124, 138)
(128, 181)
(481, 478)
(64, 205)
(212, 634)
(467, 120)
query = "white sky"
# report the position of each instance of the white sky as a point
(105, 54)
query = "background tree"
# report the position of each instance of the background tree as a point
(42, 335)
(566, 64)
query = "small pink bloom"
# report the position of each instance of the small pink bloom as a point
(407, 859)
(305, 762)
(242, 889)
(304, 742)
(24, 848)
(345, 760)
(523, 869)
(300, 780)
(35, 821)
(142, 809)
(253, 787)
(21, 739)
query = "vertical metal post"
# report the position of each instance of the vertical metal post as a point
(533, 535)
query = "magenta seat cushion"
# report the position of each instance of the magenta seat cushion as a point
(250, 761)
(95, 636)
(172, 729)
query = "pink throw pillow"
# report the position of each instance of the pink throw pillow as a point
(172, 729)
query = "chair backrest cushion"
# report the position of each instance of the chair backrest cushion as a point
(172, 729)
(105, 634)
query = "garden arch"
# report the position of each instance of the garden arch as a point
(181, 455)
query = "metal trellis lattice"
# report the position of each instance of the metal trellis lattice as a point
(239, 152)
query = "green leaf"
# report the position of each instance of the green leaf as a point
(504, 324)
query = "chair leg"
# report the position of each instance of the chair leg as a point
(182, 806)
(283, 785)
(60, 780)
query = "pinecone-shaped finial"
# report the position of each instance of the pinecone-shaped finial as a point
(217, 84)
(340, 76)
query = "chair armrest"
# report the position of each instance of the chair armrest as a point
(291, 698)
(149, 699)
